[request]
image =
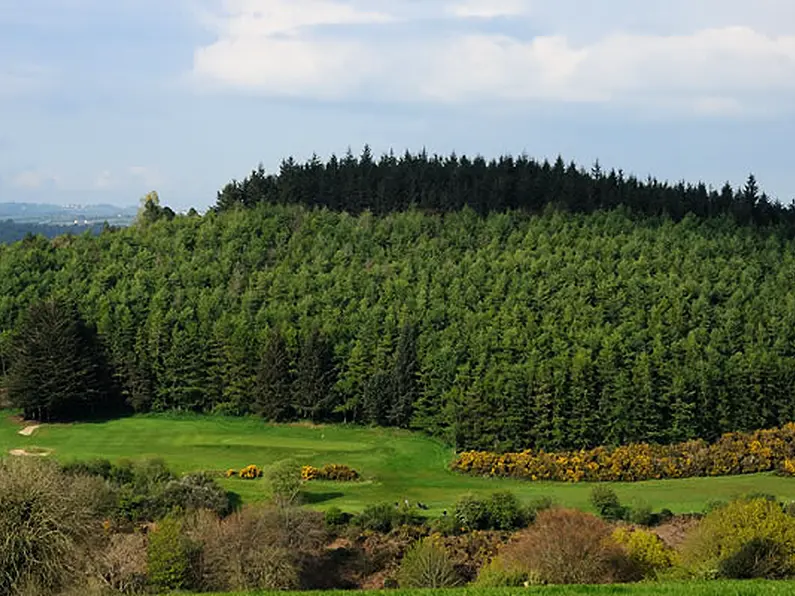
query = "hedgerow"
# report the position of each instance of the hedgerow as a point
(733, 453)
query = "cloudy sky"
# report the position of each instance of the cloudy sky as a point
(101, 101)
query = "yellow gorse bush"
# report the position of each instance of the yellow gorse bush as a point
(250, 472)
(337, 472)
(733, 453)
(646, 550)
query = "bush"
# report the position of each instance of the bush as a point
(446, 525)
(641, 515)
(285, 482)
(257, 548)
(335, 518)
(569, 547)
(250, 472)
(505, 512)
(121, 565)
(733, 453)
(646, 550)
(471, 513)
(383, 517)
(496, 574)
(195, 491)
(170, 556)
(427, 565)
(47, 522)
(605, 501)
(338, 472)
(728, 539)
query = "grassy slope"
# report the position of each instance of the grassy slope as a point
(396, 464)
(748, 588)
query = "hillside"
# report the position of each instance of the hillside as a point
(499, 332)
(11, 231)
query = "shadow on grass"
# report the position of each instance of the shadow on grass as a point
(312, 498)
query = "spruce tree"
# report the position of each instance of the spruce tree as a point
(314, 378)
(56, 370)
(272, 397)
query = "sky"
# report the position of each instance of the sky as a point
(102, 101)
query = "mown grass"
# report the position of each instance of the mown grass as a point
(396, 464)
(716, 588)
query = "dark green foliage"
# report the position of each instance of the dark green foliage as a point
(384, 517)
(57, 372)
(500, 511)
(440, 184)
(759, 558)
(549, 332)
(314, 378)
(605, 500)
(335, 518)
(272, 393)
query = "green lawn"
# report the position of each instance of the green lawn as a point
(748, 588)
(396, 464)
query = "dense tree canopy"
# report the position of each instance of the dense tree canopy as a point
(496, 332)
(444, 184)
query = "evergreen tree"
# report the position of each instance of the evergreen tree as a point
(55, 373)
(273, 393)
(404, 378)
(313, 398)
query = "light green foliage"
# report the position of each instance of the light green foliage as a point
(170, 556)
(646, 550)
(427, 565)
(284, 480)
(727, 531)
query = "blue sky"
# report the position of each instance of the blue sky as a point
(102, 101)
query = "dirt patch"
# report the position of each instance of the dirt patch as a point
(29, 430)
(674, 532)
(31, 452)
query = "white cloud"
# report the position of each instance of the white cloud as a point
(33, 179)
(299, 48)
(145, 175)
(489, 9)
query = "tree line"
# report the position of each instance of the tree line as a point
(443, 184)
(496, 332)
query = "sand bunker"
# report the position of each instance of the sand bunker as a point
(33, 453)
(29, 430)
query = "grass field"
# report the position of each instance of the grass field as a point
(747, 588)
(396, 464)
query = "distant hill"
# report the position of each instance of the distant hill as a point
(43, 213)
(12, 231)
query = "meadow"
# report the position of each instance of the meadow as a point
(715, 588)
(395, 464)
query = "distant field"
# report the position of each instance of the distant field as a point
(748, 588)
(396, 464)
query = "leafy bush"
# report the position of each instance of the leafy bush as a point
(250, 472)
(729, 538)
(47, 521)
(641, 515)
(195, 491)
(384, 517)
(170, 556)
(496, 574)
(733, 453)
(338, 472)
(605, 500)
(285, 482)
(335, 518)
(500, 511)
(427, 565)
(569, 547)
(646, 550)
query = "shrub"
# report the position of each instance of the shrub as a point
(646, 550)
(48, 520)
(733, 453)
(257, 548)
(505, 512)
(250, 472)
(427, 565)
(195, 491)
(285, 482)
(121, 564)
(569, 547)
(605, 500)
(641, 515)
(335, 517)
(536, 506)
(230, 473)
(722, 541)
(446, 525)
(95, 467)
(471, 513)
(497, 574)
(170, 556)
(338, 472)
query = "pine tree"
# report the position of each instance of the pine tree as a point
(314, 378)
(272, 394)
(404, 378)
(55, 374)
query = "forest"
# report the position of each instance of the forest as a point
(501, 330)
